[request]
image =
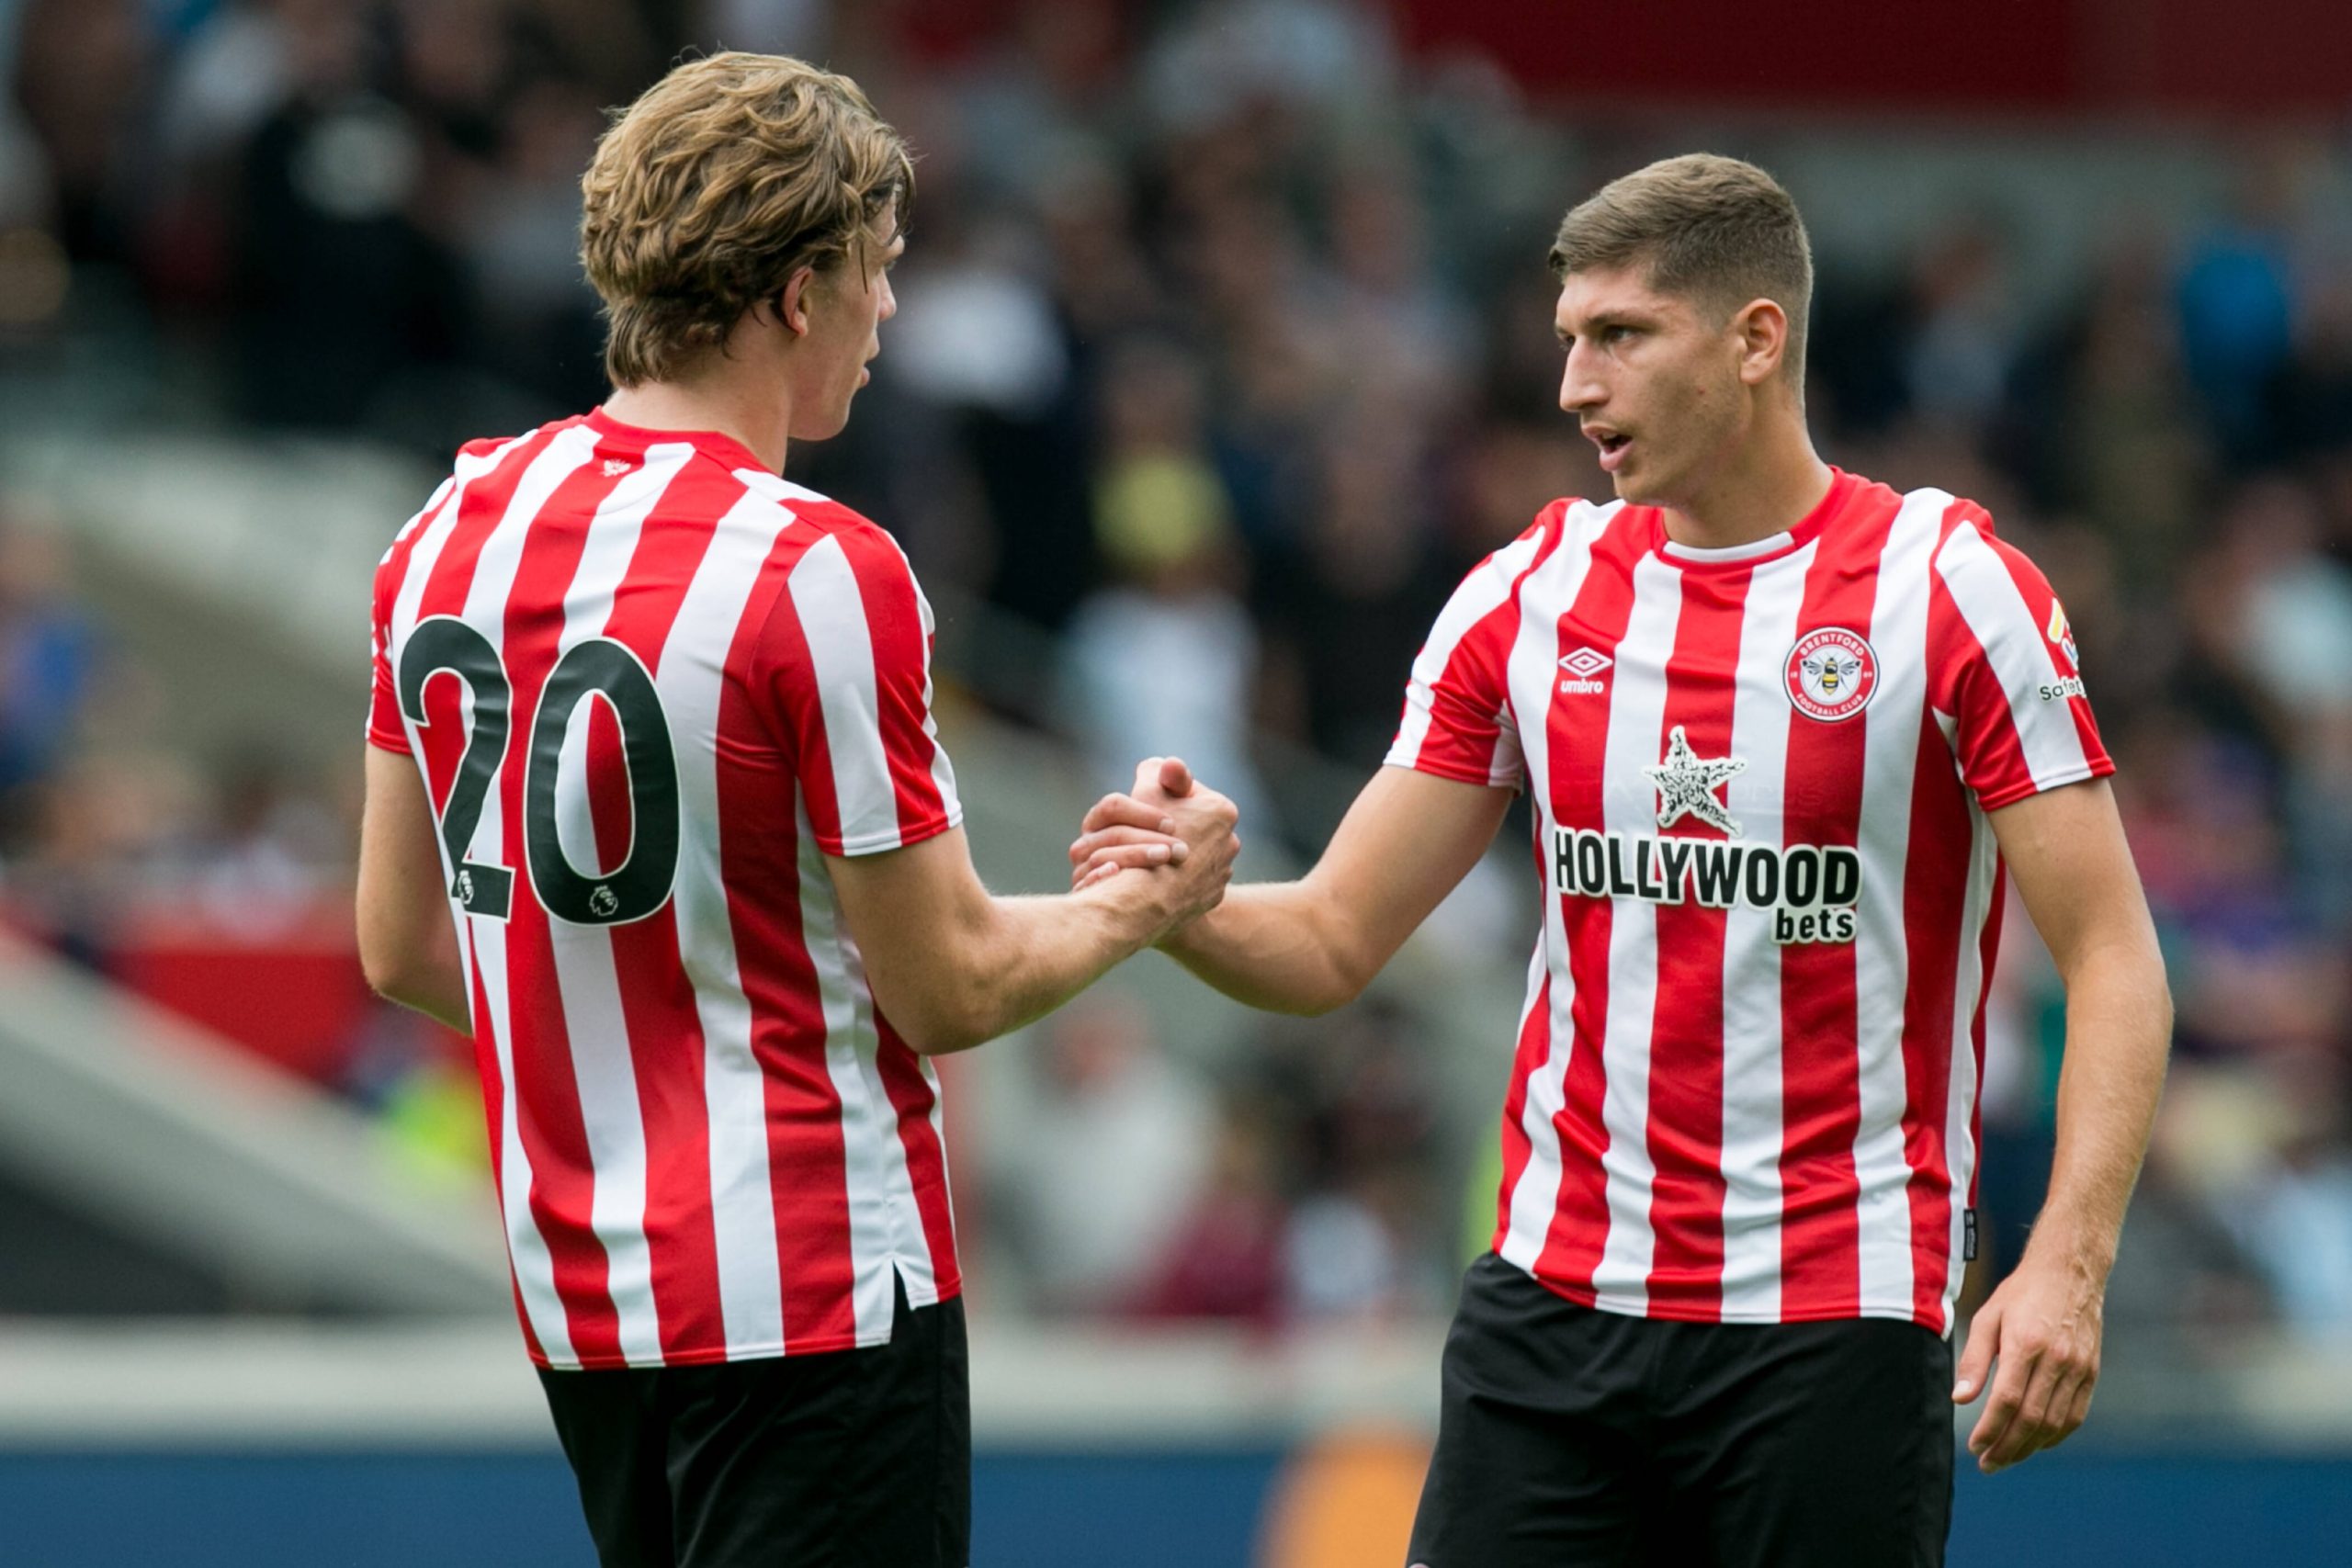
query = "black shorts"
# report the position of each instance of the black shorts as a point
(849, 1458)
(1577, 1439)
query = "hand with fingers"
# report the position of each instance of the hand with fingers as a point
(2042, 1326)
(1169, 821)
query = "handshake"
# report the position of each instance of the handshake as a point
(1168, 842)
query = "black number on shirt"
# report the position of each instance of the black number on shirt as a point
(444, 642)
(597, 667)
(601, 668)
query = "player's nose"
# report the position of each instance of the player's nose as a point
(1580, 390)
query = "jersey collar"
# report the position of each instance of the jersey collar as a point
(1842, 486)
(725, 450)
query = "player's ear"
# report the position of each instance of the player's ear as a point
(792, 306)
(1762, 328)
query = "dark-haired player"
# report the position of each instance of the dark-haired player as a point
(1786, 733)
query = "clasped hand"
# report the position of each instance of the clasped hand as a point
(1167, 823)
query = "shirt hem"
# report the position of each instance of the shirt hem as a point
(1907, 1313)
(902, 838)
(2103, 767)
(718, 1355)
(1457, 775)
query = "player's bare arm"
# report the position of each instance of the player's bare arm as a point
(2043, 1325)
(1312, 946)
(406, 942)
(953, 965)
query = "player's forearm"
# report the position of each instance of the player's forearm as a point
(2119, 1027)
(432, 983)
(1279, 946)
(410, 957)
(1027, 956)
(408, 947)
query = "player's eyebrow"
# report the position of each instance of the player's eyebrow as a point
(1600, 320)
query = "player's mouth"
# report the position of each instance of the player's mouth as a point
(1613, 445)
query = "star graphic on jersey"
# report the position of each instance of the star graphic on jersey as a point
(1687, 784)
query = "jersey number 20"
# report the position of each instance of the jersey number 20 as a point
(598, 666)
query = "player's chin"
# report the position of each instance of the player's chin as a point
(1638, 487)
(835, 419)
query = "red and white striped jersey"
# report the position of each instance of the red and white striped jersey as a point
(652, 686)
(1744, 1086)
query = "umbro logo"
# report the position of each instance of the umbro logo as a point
(1584, 667)
(617, 465)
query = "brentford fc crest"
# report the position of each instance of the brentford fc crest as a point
(1831, 674)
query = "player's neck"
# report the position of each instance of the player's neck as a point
(1770, 489)
(757, 415)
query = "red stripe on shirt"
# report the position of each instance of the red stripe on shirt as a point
(1935, 895)
(1685, 1130)
(1577, 752)
(546, 1081)
(912, 1097)
(760, 771)
(1820, 1074)
(657, 1004)
(901, 652)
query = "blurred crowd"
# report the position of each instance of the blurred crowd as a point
(1224, 349)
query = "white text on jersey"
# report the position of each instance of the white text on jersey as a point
(1811, 889)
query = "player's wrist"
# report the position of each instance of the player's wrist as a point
(1182, 937)
(2082, 1249)
(1142, 904)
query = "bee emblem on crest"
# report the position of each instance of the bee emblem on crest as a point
(1831, 673)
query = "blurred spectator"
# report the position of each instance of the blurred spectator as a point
(49, 655)
(83, 71)
(1358, 596)
(105, 830)
(2238, 299)
(1225, 1259)
(2296, 1221)
(1114, 1144)
(1367, 1238)
(269, 856)
(1165, 662)
(1963, 334)
(341, 291)
(519, 239)
(2296, 617)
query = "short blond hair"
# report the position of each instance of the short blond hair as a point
(723, 180)
(1706, 227)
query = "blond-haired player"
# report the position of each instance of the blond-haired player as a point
(657, 812)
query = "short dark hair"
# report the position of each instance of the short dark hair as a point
(1712, 228)
(728, 176)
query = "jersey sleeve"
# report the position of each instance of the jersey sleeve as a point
(384, 726)
(846, 683)
(2005, 679)
(1458, 722)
